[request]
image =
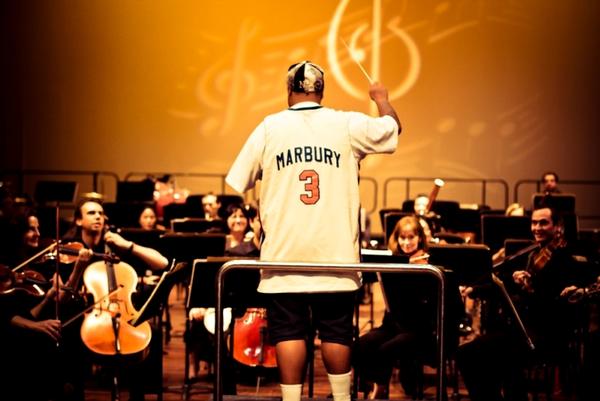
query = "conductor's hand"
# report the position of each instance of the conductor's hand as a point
(378, 92)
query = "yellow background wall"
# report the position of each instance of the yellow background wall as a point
(497, 89)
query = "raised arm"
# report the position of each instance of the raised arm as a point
(379, 95)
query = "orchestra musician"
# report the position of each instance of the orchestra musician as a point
(243, 239)
(148, 219)
(28, 329)
(400, 338)
(422, 208)
(590, 370)
(550, 183)
(492, 365)
(91, 230)
(211, 206)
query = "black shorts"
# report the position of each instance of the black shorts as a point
(294, 316)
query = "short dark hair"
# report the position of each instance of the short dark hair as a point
(555, 215)
(83, 201)
(549, 173)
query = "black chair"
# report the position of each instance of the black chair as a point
(55, 191)
(495, 229)
(563, 203)
(135, 191)
(384, 212)
(178, 211)
(448, 211)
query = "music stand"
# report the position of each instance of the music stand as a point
(446, 209)
(495, 229)
(377, 256)
(563, 203)
(240, 286)
(125, 214)
(412, 298)
(147, 238)
(190, 246)
(135, 191)
(240, 292)
(198, 225)
(381, 256)
(471, 263)
(384, 212)
(179, 211)
(160, 294)
(56, 192)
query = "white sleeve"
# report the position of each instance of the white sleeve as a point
(247, 167)
(372, 134)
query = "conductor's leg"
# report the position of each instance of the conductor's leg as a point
(291, 360)
(336, 358)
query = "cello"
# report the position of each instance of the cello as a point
(106, 329)
(250, 342)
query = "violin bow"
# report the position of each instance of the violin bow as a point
(57, 262)
(92, 306)
(34, 257)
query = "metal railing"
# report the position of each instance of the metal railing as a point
(484, 182)
(219, 176)
(330, 268)
(594, 184)
(94, 175)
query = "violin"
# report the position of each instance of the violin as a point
(514, 256)
(68, 254)
(250, 342)
(545, 254)
(419, 257)
(28, 281)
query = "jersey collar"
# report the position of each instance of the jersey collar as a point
(305, 106)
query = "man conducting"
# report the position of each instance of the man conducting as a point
(307, 158)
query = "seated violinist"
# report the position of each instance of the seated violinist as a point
(27, 318)
(492, 365)
(405, 339)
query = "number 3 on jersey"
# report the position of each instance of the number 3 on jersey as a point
(311, 178)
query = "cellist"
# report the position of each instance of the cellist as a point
(91, 230)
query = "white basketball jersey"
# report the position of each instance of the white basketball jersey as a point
(307, 158)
